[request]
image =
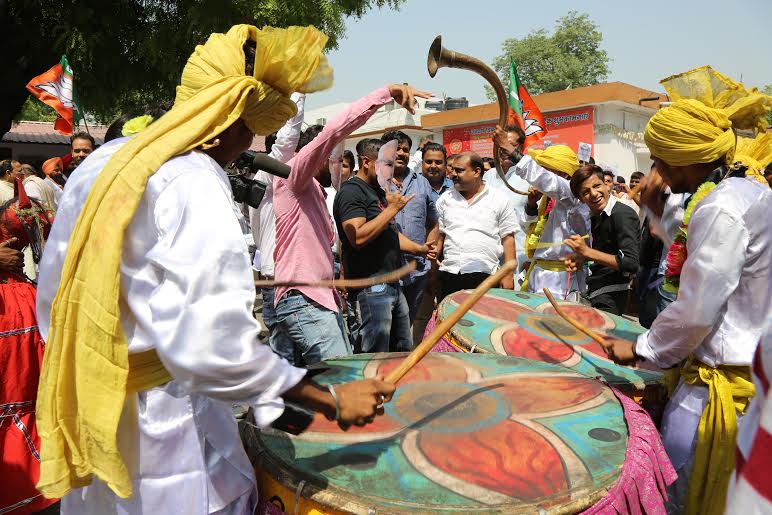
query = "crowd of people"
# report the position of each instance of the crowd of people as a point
(145, 288)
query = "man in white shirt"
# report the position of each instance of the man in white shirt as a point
(263, 219)
(477, 225)
(723, 296)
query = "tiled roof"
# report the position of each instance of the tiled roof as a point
(44, 133)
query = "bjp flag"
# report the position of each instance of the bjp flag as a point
(523, 110)
(55, 88)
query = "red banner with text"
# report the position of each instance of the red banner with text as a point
(569, 127)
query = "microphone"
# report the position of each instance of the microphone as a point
(268, 164)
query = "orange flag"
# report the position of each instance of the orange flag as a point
(523, 110)
(55, 88)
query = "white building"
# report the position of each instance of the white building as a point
(611, 117)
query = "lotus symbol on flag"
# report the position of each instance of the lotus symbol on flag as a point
(531, 124)
(61, 88)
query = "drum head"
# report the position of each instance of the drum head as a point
(464, 433)
(526, 325)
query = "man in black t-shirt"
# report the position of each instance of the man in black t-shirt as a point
(615, 242)
(364, 214)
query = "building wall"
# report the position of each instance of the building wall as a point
(619, 139)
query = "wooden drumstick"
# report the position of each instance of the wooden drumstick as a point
(354, 284)
(443, 327)
(589, 332)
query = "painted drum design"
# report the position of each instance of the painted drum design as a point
(526, 325)
(464, 433)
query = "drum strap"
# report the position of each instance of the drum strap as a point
(730, 390)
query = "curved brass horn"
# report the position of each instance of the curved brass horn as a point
(440, 57)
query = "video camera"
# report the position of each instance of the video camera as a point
(245, 189)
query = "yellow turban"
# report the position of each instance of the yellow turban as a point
(698, 126)
(558, 158)
(689, 132)
(86, 368)
(756, 154)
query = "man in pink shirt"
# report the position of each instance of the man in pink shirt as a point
(309, 326)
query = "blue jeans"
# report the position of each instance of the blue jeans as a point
(653, 296)
(269, 311)
(414, 294)
(307, 333)
(385, 319)
(646, 291)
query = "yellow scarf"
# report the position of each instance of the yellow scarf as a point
(536, 229)
(699, 126)
(730, 390)
(83, 382)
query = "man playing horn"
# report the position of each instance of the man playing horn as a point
(146, 299)
(551, 215)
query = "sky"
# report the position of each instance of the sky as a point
(646, 41)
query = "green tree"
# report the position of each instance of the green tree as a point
(127, 54)
(36, 111)
(569, 58)
(768, 90)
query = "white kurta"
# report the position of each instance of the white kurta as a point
(493, 180)
(569, 216)
(723, 301)
(187, 292)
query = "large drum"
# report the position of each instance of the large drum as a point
(464, 433)
(526, 325)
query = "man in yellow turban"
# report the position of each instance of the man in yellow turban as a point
(719, 265)
(552, 215)
(147, 293)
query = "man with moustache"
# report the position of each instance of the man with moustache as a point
(719, 268)
(82, 145)
(417, 220)
(434, 166)
(477, 225)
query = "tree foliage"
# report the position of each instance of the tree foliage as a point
(768, 90)
(127, 54)
(569, 58)
(35, 111)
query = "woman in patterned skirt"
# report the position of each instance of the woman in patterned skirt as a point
(23, 222)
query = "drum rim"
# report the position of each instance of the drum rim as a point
(346, 502)
(334, 498)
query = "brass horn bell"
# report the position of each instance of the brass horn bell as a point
(441, 57)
